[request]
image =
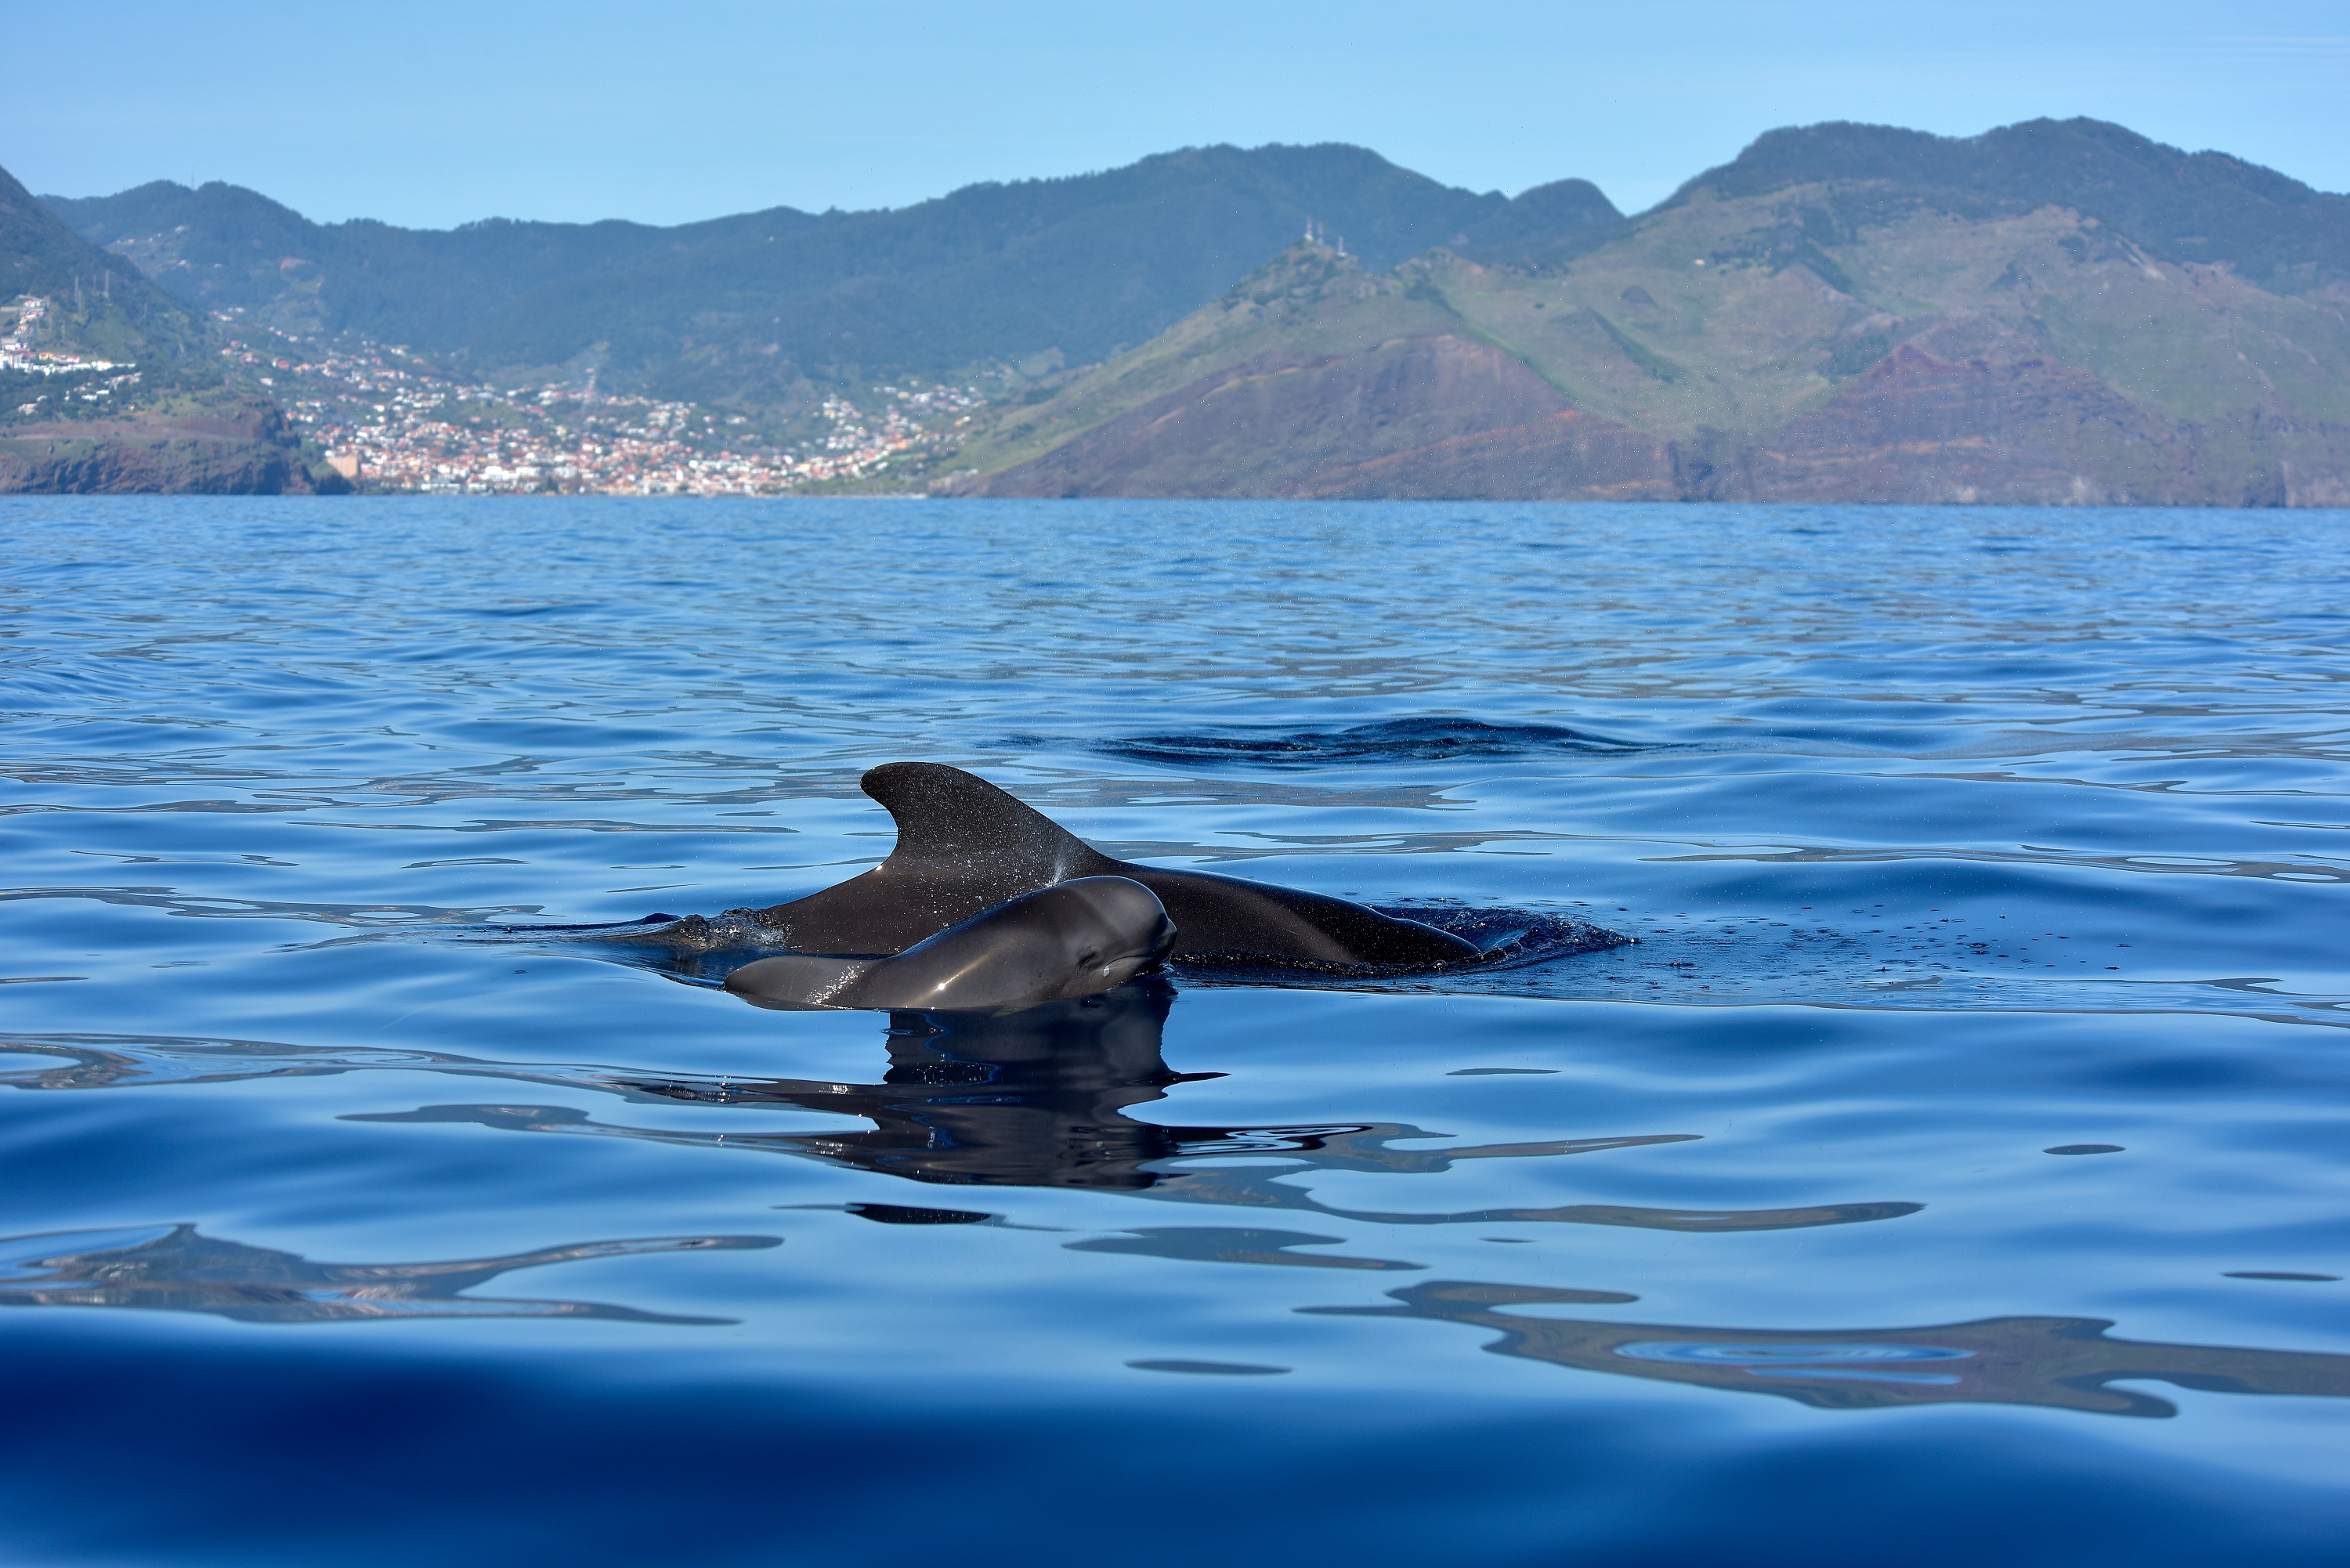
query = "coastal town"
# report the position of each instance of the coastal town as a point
(20, 351)
(387, 420)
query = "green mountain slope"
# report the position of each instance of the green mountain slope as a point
(2058, 311)
(109, 384)
(1761, 336)
(1046, 272)
(95, 304)
(2177, 206)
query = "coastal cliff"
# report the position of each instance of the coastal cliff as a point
(231, 449)
(111, 386)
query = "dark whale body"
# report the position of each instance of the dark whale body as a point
(1071, 939)
(964, 846)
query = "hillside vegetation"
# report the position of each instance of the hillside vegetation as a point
(111, 385)
(1846, 313)
(1037, 274)
(2179, 206)
(99, 305)
(2056, 311)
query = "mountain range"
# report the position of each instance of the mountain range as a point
(1042, 272)
(2054, 313)
(2057, 311)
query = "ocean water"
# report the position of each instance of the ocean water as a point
(1954, 1166)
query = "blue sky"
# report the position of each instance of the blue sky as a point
(435, 113)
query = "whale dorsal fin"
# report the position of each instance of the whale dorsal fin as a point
(963, 845)
(956, 826)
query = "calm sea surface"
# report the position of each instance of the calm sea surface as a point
(1955, 1169)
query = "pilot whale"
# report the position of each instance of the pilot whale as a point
(1070, 939)
(964, 846)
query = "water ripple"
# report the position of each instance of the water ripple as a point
(1974, 1074)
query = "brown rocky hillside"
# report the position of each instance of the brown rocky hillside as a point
(1836, 341)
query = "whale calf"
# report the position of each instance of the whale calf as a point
(1070, 939)
(964, 846)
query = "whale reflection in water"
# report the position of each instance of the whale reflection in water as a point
(2066, 1363)
(170, 1268)
(1040, 1098)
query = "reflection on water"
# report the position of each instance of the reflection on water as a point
(1430, 738)
(170, 1268)
(1039, 1098)
(2063, 1362)
(1035, 1098)
(1220, 1244)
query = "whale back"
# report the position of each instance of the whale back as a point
(1229, 918)
(798, 982)
(963, 845)
(1072, 939)
(1069, 939)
